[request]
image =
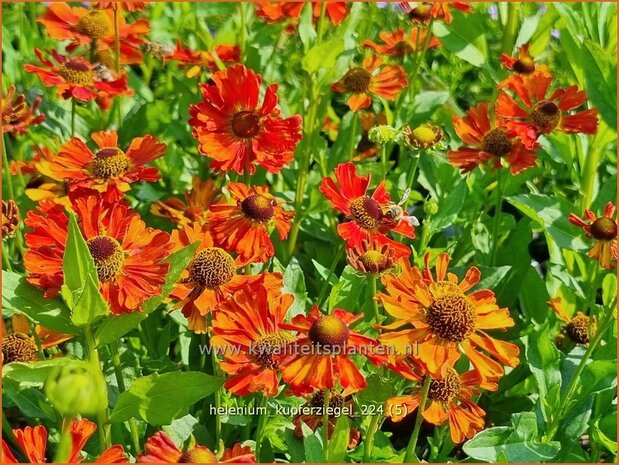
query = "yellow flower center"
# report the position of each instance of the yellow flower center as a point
(357, 80)
(604, 229)
(329, 332)
(424, 136)
(198, 454)
(267, 346)
(496, 142)
(109, 163)
(18, 348)
(451, 316)
(447, 388)
(108, 256)
(578, 329)
(95, 24)
(524, 65)
(76, 72)
(245, 124)
(373, 261)
(212, 267)
(366, 212)
(546, 116)
(258, 208)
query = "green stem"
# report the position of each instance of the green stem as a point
(369, 439)
(5, 257)
(321, 23)
(411, 456)
(73, 116)
(353, 131)
(413, 171)
(383, 159)
(93, 357)
(511, 26)
(325, 285)
(37, 339)
(497, 218)
(243, 31)
(264, 403)
(419, 55)
(592, 164)
(325, 424)
(9, 182)
(372, 281)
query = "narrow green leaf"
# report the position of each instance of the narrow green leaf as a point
(339, 440)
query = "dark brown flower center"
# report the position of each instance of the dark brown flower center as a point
(10, 218)
(329, 332)
(109, 163)
(335, 400)
(18, 348)
(578, 329)
(524, 65)
(258, 208)
(421, 14)
(447, 388)
(107, 255)
(357, 80)
(95, 24)
(546, 116)
(604, 229)
(76, 72)
(265, 349)
(245, 124)
(496, 142)
(198, 454)
(403, 48)
(212, 267)
(366, 212)
(451, 317)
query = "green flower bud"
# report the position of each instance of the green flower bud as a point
(76, 388)
(382, 134)
(430, 207)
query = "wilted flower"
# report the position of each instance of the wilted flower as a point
(17, 116)
(10, 218)
(604, 230)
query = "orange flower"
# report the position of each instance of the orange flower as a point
(445, 321)
(236, 131)
(48, 337)
(370, 79)
(201, 59)
(247, 331)
(523, 63)
(193, 209)
(211, 277)
(17, 116)
(425, 12)
(244, 223)
(77, 78)
(489, 141)
(535, 112)
(127, 254)
(159, 448)
(83, 26)
(109, 168)
(373, 256)
(126, 6)
(604, 230)
(450, 399)
(371, 216)
(274, 12)
(579, 328)
(399, 44)
(33, 443)
(322, 352)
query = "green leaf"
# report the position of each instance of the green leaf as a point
(81, 284)
(601, 81)
(517, 443)
(159, 399)
(449, 207)
(33, 374)
(339, 440)
(30, 402)
(312, 444)
(323, 56)
(18, 295)
(463, 41)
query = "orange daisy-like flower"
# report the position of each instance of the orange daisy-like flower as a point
(17, 115)
(373, 256)
(33, 443)
(579, 328)
(450, 398)
(236, 131)
(76, 78)
(108, 168)
(524, 63)
(322, 352)
(371, 216)
(444, 321)
(604, 230)
(488, 141)
(274, 12)
(244, 223)
(129, 256)
(247, 331)
(211, 277)
(399, 43)
(534, 112)
(159, 448)
(371, 79)
(201, 59)
(46, 336)
(130, 7)
(84, 26)
(424, 12)
(194, 209)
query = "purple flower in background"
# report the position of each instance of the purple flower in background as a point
(493, 11)
(543, 8)
(555, 33)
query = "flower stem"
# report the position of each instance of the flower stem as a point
(592, 164)
(419, 55)
(117, 15)
(5, 257)
(497, 218)
(411, 456)
(369, 440)
(37, 339)
(9, 182)
(73, 116)
(511, 26)
(325, 424)
(135, 438)
(325, 285)
(243, 32)
(353, 131)
(93, 357)
(264, 403)
(412, 172)
(372, 281)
